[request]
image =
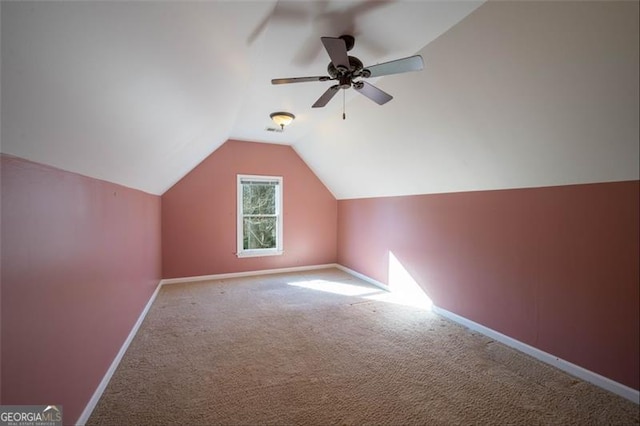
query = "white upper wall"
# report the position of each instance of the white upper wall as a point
(518, 94)
(137, 93)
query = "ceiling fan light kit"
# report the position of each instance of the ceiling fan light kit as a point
(282, 118)
(346, 69)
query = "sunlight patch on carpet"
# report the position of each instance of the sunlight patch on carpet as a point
(335, 287)
(404, 288)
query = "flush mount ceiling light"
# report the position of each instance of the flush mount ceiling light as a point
(282, 118)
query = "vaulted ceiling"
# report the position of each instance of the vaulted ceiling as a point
(513, 94)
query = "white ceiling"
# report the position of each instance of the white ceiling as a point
(517, 94)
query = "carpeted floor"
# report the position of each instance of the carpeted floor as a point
(288, 349)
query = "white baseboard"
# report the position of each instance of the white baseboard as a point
(246, 274)
(363, 277)
(86, 413)
(566, 366)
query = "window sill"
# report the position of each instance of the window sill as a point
(259, 253)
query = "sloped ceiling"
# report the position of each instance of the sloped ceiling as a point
(514, 94)
(519, 94)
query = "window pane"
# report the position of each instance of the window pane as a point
(259, 232)
(258, 199)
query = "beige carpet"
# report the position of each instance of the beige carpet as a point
(271, 350)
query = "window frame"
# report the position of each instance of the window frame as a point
(278, 250)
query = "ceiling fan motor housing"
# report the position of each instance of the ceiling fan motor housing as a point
(344, 81)
(355, 66)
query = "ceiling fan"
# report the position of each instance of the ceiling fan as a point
(346, 69)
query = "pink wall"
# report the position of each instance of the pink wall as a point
(556, 268)
(199, 213)
(80, 259)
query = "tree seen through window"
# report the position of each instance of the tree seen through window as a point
(259, 215)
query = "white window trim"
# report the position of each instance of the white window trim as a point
(241, 252)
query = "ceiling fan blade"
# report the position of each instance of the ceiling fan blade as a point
(372, 92)
(278, 13)
(299, 79)
(326, 96)
(337, 50)
(412, 63)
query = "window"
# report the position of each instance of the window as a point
(259, 215)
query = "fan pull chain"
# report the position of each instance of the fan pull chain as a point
(344, 115)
